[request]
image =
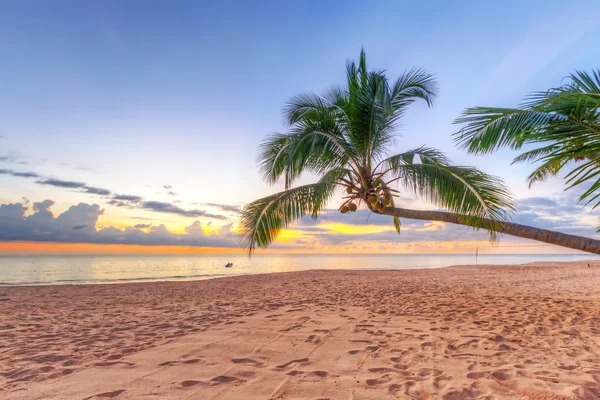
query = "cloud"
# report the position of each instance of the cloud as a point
(168, 208)
(116, 203)
(62, 184)
(136, 202)
(98, 191)
(194, 229)
(12, 160)
(74, 185)
(125, 200)
(78, 225)
(167, 186)
(127, 197)
(225, 207)
(57, 182)
(43, 205)
(19, 174)
(171, 193)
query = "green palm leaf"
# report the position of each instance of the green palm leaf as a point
(462, 190)
(564, 122)
(263, 219)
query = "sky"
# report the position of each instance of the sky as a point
(132, 126)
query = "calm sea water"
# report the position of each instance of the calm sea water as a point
(39, 270)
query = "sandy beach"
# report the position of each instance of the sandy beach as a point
(530, 332)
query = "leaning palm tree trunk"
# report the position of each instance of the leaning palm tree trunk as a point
(510, 228)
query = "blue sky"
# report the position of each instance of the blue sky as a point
(133, 96)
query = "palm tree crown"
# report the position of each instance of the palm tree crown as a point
(344, 136)
(562, 123)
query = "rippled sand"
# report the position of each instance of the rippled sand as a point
(530, 332)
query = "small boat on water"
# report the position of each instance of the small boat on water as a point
(228, 265)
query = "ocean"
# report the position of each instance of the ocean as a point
(71, 269)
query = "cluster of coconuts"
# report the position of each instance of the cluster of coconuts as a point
(380, 201)
(351, 206)
(378, 197)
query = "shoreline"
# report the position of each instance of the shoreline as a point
(193, 278)
(452, 332)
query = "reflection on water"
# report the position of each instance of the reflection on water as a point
(20, 270)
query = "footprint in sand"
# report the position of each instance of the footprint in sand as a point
(106, 395)
(250, 361)
(381, 369)
(353, 352)
(320, 374)
(287, 364)
(378, 381)
(427, 346)
(500, 375)
(442, 381)
(295, 373)
(313, 339)
(476, 375)
(190, 383)
(223, 379)
(297, 325)
(111, 363)
(186, 362)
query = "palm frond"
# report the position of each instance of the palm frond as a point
(463, 190)
(313, 145)
(414, 84)
(589, 83)
(550, 167)
(536, 154)
(263, 219)
(487, 129)
(408, 157)
(300, 105)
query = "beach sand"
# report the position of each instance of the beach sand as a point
(530, 332)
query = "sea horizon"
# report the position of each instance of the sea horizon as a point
(60, 269)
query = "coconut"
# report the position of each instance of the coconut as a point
(344, 210)
(387, 195)
(352, 207)
(387, 202)
(372, 198)
(349, 190)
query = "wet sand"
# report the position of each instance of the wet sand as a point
(530, 332)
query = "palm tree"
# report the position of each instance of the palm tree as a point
(344, 137)
(562, 123)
